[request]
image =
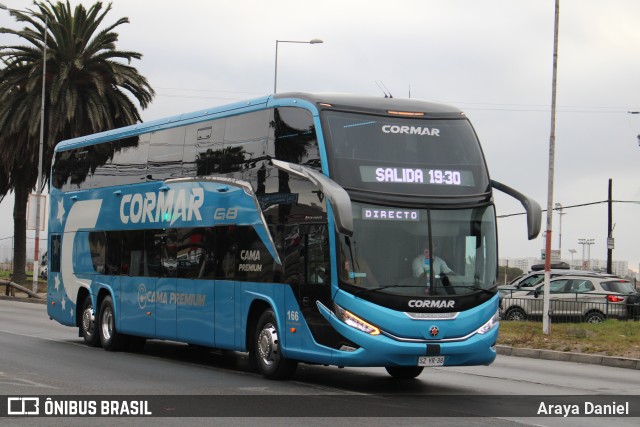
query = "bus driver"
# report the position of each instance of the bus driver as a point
(423, 263)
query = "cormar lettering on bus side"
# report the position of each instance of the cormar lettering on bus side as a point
(162, 207)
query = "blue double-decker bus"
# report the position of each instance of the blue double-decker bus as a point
(326, 229)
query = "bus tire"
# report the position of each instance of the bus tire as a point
(269, 360)
(88, 329)
(110, 339)
(404, 372)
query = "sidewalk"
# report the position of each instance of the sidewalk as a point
(562, 356)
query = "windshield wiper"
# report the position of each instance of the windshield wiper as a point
(379, 288)
(475, 288)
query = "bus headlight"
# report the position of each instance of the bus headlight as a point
(492, 323)
(354, 321)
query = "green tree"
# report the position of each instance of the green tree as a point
(90, 87)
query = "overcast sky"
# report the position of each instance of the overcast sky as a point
(491, 58)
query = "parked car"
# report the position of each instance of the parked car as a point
(578, 298)
(530, 280)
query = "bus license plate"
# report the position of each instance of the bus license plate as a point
(430, 360)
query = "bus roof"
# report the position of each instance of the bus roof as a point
(375, 104)
(165, 123)
(347, 102)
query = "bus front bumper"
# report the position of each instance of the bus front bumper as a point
(381, 350)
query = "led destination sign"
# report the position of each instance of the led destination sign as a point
(394, 214)
(416, 176)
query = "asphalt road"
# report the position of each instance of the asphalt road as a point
(39, 357)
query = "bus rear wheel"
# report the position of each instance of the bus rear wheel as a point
(110, 339)
(269, 359)
(88, 324)
(404, 372)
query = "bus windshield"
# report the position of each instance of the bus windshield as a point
(418, 251)
(405, 155)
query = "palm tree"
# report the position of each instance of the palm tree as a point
(89, 88)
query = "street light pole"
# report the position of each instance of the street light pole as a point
(275, 77)
(587, 243)
(36, 254)
(610, 226)
(546, 321)
(572, 252)
(560, 213)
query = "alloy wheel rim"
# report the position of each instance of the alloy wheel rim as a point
(107, 324)
(268, 344)
(88, 320)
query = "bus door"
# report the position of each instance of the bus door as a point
(316, 284)
(194, 296)
(225, 265)
(138, 286)
(166, 309)
(307, 267)
(161, 248)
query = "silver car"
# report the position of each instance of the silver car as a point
(576, 298)
(530, 280)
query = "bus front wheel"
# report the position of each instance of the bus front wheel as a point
(110, 339)
(404, 372)
(269, 359)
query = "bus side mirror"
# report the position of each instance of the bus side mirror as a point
(534, 212)
(340, 200)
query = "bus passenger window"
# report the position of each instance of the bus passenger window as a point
(201, 141)
(133, 263)
(157, 263)
(253, 260)
(130, 159)
(114, 246)
(98, 249)
(225, 250)
(165, 154)
(54, 252)
(191, 251)
(250, 128)
(62, 168)
(295, 137)
(317, 259)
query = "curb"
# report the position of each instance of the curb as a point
(593, 359)
(24, 299)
